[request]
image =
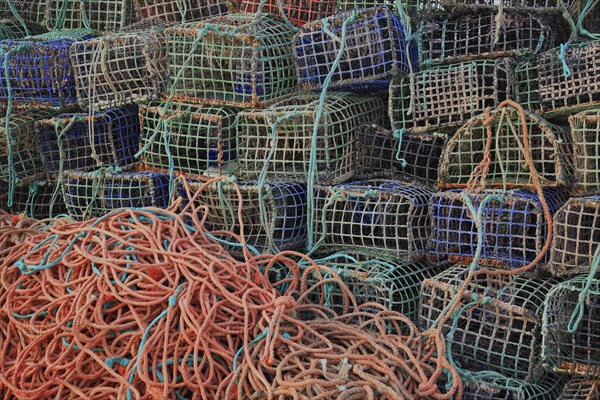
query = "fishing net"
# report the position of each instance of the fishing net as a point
(12, 29)
(86, 142)
(561, 81)
(94, 194)
(190, 139)
(299, 12)
(28, 10)
(372, 47)
(502, 388)
(514, 232)
(410, 156)
(274, 141)
(179, 11)
(121, 68)
(377, 218)
(242, 60)
(498, 328)
(33, 197)
(585, 128)
(581, 389)
(448, 96)
(497, 137)
(94, 15)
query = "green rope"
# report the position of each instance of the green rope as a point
(562, 56)
(84, 17)
(18, 17)
(577, 315)
(589, 4)
(31, 197)
(398, 135)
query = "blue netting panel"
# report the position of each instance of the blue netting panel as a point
(501, 388)
(514, 233)
(375, 51)
(33, 197)
(581, 389)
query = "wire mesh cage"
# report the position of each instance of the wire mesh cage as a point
(95, 15)
(190, 139)
(501, 388)
(299, 12)
(242, 60)
(12, 29)
(448, 96)
(585, 128)
(94, 194)
(561, 81)
(581, 389)
(514, 232)
(29, 11)
(121, 68)
(496, 139)
(376, 218)
(499, 326)
(372, 45)
(34, 197)
(276, 139)
(179, 11)
(86, 142)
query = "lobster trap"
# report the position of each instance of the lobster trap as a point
(298, 12)
(189, 139)
(447, 96)
(119, 69)
(242, 60)
(585, 128)
(407, 156)
(12, 29)
(276, 141)
(373, 45)
(94, 194)
(36, 198)
(496, 139)
(85, 142)
(94, 15)
(29, 11)
(514, 231)
(498, 326)
(581, 389)
(501, 388)
(541, 7)
(375, 218)
(179, 11)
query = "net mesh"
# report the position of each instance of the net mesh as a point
(179, 11)
(277, 138)
(585, 128)
(410, 7)
(502, 388)
(29, 10)
(299, 12)
(581, 389)
(98, 15)
(33, 197)
(514, 233)
(535, 6)
(447, 96)
(375, 50)
(242, 60)
(11, 29)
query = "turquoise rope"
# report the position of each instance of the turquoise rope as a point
(577, 315)
(582, 16)
(18, 17)
(562, 56)
(31, 197)
(398, 135)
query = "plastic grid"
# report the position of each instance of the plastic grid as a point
(501, 334)
(179, 11)
(558, 85)
(448, 96)
(585, 128)
(502, 388)
(101, 15)
(380, 154)
(551, 150)
(282, 135)
(581, 389)
(94, 194)
(514, 233)
(11, 29)
(378, 218)
(299, 12)
(375, 51)
(199, 139)
(121, 68)
(33, 197)
(242, 60)
(30, 11)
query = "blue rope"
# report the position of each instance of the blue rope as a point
(562, 56)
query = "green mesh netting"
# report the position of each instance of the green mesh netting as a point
(179, 11)
(299, 12)
(548, 387)
(34, 198)
(581, 389)
(12, 29)
(585, 128)
(29, 10)
(96, 15)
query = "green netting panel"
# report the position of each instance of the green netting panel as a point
(98, 15)
(179, 11)
(299, 12)
(551, 150)
(277, 138)
(12, 29)
(581, 389)
(242, 60)
(379, 218)
(411, 7)
(561, 81)
(585, 128)
(448, 96)
(29, 10)
(197, 140)
(498, 329)
(502, 388)
(34, 198)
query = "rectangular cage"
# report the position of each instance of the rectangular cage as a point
(242, 60)
(190, 139)
(561, 81)
(375, 49)
(122, 68)
(94, 194)
(28, 10)
(86, 142)
(33, 197)
(407, 156)
(278, 139)
(585, 129)
(541, 7)
(377, 218)
(179, 11)
(581, 389)
(498, 325)
(571, 337)
(548, 387)
(448, 96)
(410, 7)
(514, 232)
(97, 15)
(273, 214)
(12, 29)
(503, 152)
(298, 12)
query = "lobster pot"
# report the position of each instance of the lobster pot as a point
(585, 128)
(376, 218)
(514, 233)
(94, 194)
(407, 156)
(581, 389)
(410, 7)
(501, 388)
(549, 7)
(273, 215)
(498, 328)
(299, 12)
(30, 11)
(178, 11)
(448, 96)
(277, 140)
(238, 60)
(551, 151)
(197, 140)
(83, 142)
(34, 198)
(97, 15)
(133, 68)
(576, 236)
(375, 50)
(12, 29)
(557, 84)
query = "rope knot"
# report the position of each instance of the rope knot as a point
(287, 302)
